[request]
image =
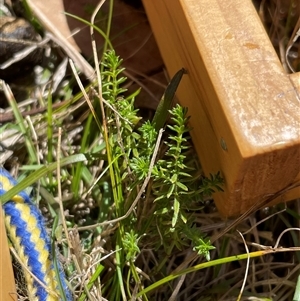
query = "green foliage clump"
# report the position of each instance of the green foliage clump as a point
(126, 178)
(164, 216)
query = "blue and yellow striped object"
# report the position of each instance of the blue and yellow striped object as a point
(27, 232)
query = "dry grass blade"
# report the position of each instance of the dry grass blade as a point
(122, 246)
(254, 208)
(295, 36)
(246, 270)
(140, 193)
(71, 51)
(27, 270)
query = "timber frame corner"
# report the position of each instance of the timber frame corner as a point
(245, 109)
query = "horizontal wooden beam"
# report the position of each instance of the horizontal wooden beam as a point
(244, 108)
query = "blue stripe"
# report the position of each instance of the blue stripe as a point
(29, 248)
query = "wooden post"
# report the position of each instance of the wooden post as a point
(245, 110)
(7, 281)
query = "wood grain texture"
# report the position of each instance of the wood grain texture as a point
(7, 281)
(244, 108)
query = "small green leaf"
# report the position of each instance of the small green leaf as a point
(176, 211)
(171, 189)
(165, 104)
(183, 217)
(182, 186)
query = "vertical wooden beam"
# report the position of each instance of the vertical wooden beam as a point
(244, 108)
(7, 281)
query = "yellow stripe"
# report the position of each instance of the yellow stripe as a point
(7, 185)
(44, 257)
(31, 290)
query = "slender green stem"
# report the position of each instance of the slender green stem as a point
(108, 28)
(200, 267)
(36, 175)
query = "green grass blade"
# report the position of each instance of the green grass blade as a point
(21, 123)
(166, 102)
(36, 175)
(101, 32)
(56, 264)
(297, 291)
(200, 267)
(94, 277)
